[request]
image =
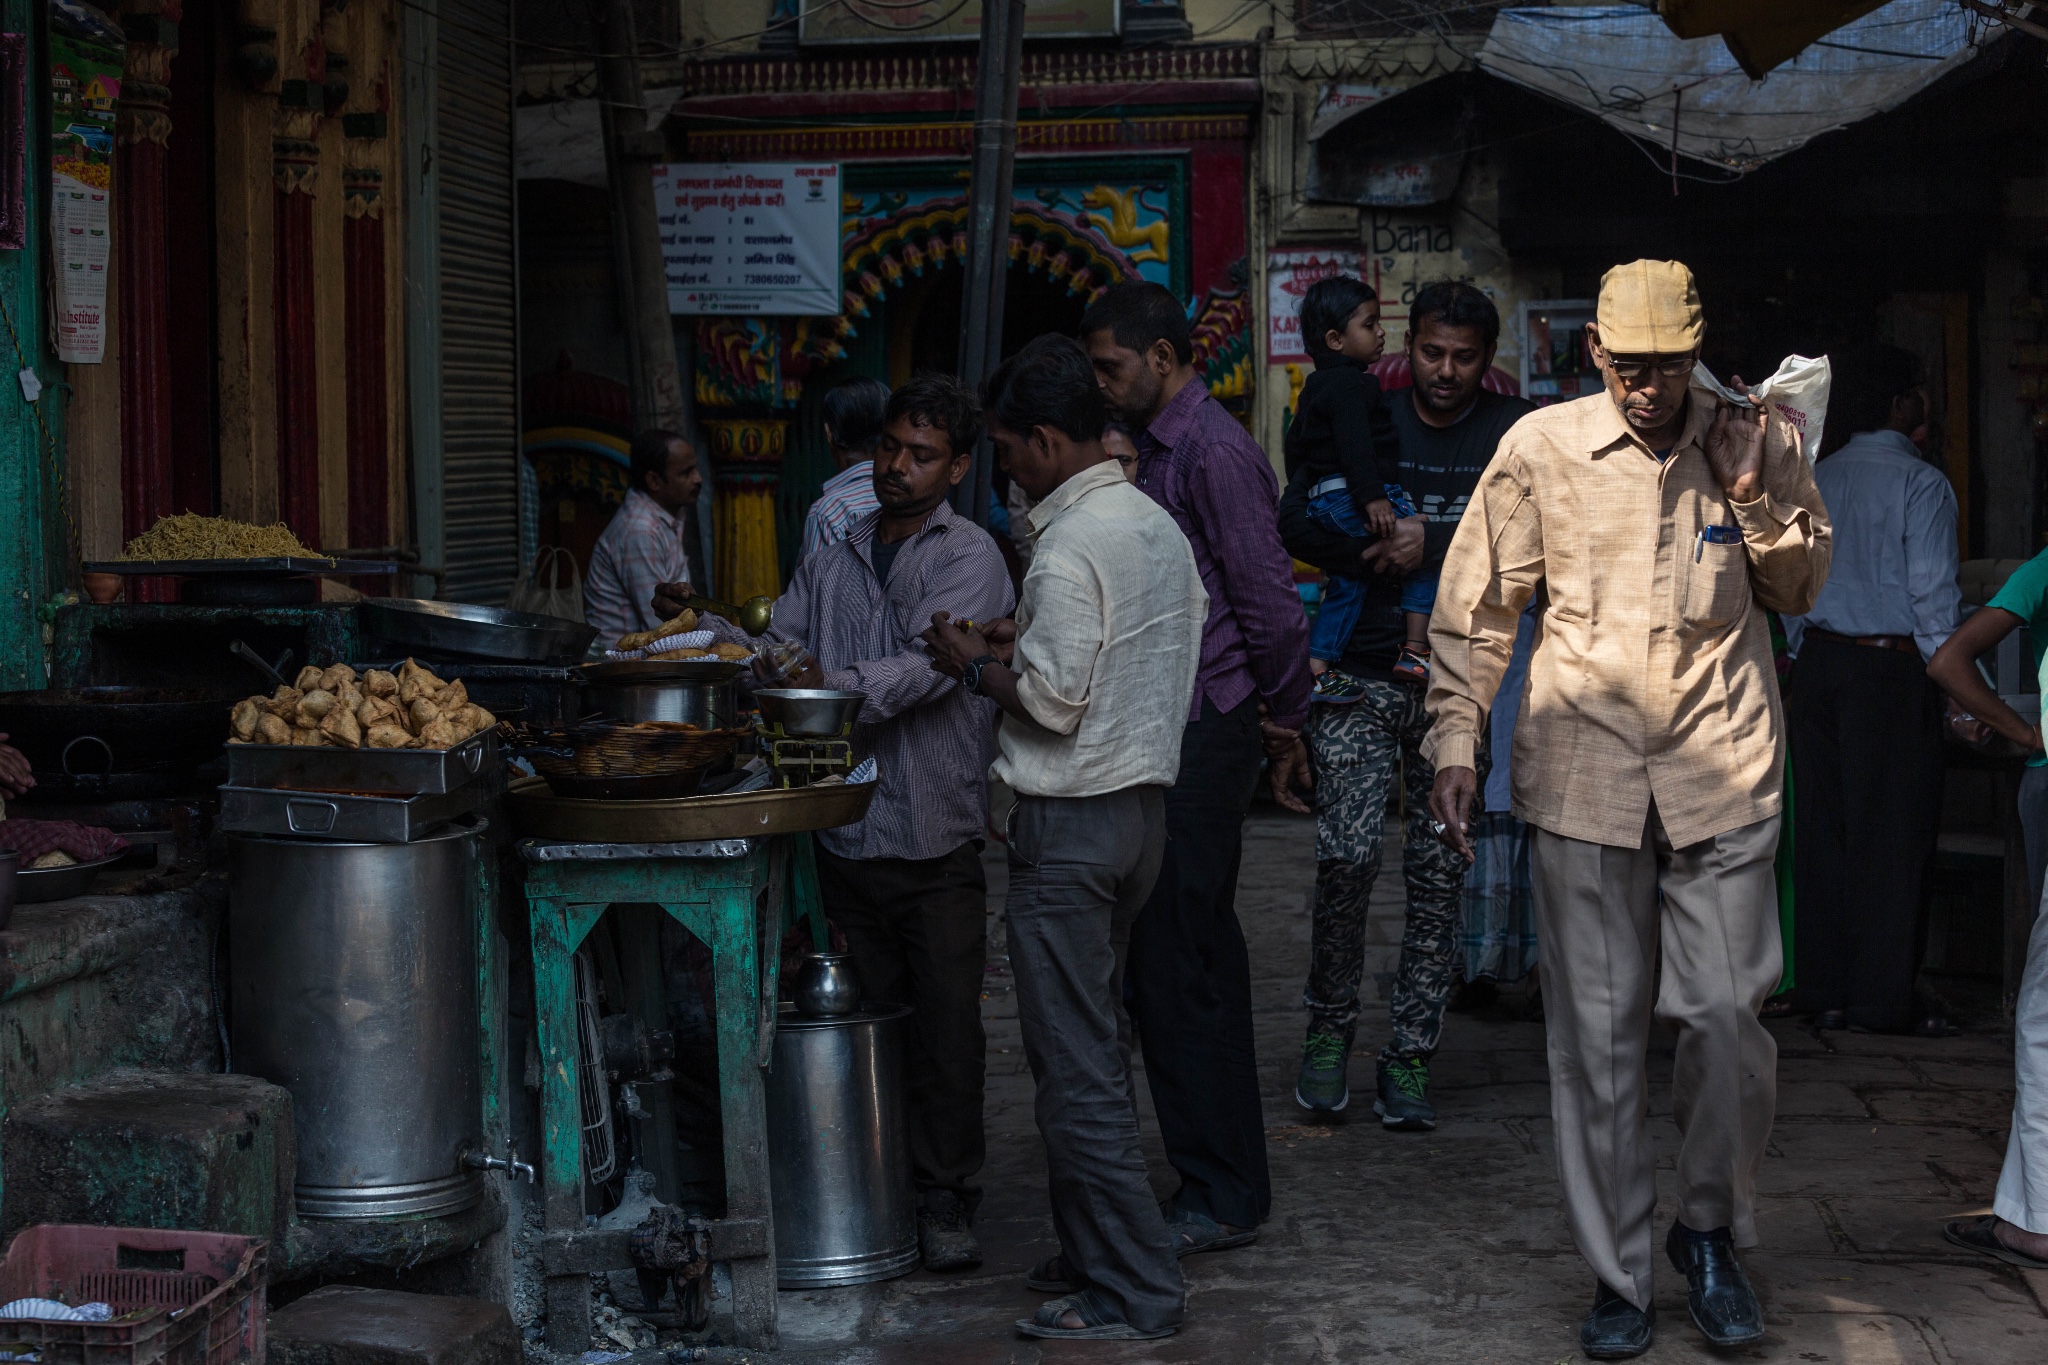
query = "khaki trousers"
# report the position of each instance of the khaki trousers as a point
(1601, 929)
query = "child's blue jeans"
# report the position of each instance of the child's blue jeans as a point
(1332, 507)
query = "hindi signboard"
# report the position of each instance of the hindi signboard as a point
(1288, 275)
(750, 237)
(898, 21)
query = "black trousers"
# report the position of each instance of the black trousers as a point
(1866, 806)
(1190, 978)
(917, 929)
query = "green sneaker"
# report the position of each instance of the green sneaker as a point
(1403, 1102)
(1323, 1087)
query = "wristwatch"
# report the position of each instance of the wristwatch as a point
(970, 674)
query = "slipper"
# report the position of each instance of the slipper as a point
(1977, 1234)
(1053, 1276)
(1097, 1322)
(1195, 1233)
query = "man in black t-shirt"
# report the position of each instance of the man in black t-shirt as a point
(1449, 427)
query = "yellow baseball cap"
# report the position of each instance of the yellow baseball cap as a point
(1649, 308)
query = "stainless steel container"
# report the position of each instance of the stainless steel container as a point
(838, 1152)
(354, 969)
(693, 702)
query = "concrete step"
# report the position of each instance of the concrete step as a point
(342, 1325)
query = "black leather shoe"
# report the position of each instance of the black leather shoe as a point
(1719, 1298)
(1616, 1329)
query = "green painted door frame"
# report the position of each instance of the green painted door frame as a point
(32, 523)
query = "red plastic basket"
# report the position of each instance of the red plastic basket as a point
(179, 1298)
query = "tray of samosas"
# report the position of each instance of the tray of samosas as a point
(335, 730)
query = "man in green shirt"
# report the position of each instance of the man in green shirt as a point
(2016, 1231)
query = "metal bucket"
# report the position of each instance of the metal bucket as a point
(354, 969)
(838, 1152)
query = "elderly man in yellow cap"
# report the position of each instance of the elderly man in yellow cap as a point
(1657, 520)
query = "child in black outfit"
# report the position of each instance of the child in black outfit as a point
(1344, 434)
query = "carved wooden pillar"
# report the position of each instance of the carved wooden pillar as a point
(295, 168)
(362, 245)
(144, 129)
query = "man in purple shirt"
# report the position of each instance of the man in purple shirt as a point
(1190, 978)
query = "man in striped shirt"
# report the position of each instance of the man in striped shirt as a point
(905, 884)
(854, 412)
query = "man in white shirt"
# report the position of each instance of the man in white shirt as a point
(1865, 718)
(647, 542)
(1094, 693)
(854, 414)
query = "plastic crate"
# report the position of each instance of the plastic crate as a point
(179, 1298)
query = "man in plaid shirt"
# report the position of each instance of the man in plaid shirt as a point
(905, 884)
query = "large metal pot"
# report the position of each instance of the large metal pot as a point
(698, 702)
(354, 969)
(838, 1152)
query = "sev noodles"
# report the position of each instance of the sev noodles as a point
(191, 536)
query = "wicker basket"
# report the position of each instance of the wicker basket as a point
(648, 748)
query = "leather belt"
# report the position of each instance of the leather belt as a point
(1902, 643)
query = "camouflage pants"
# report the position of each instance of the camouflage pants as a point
(1360, 751)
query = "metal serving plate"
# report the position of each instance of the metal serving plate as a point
(402, 772)
(352, 817)
(477, 632)
(660, 670)
(537, 813)
(33, 885)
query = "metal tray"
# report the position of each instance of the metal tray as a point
(353, 817)
(537, 813)
(33, 885)
(476, 632)
(659, 670)
(402, 772)
(279, 564)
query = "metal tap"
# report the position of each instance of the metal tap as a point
(510, 1164)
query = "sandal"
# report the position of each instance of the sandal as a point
(1981, 1235)
(1097, 1322)
(1195, 1233)
(1054, 1276)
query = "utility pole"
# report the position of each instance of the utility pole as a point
(630, 151)
(1000, 66)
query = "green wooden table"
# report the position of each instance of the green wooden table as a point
(736, 896)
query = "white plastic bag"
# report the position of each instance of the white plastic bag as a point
(1798, 393)
(552, 597)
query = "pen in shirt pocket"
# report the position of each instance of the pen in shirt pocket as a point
(1715, 535)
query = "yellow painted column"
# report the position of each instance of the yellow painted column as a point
(747, 454)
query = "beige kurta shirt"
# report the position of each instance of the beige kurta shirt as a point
(1109, 634)
(1651, 678)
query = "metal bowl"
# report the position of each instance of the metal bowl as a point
(809, 711)
(477, 632)
(34, 885)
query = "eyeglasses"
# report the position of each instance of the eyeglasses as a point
(1628, 371)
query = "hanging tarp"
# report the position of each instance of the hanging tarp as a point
(564, 140)
(1624, 66)
(87, 54)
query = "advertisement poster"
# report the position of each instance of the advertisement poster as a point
(753, 237)
(87, 52)
(1288, 276)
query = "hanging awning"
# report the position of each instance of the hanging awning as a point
(1623, 65)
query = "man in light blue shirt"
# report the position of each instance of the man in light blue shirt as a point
(1865, 719)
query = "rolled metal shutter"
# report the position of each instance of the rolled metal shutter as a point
(479, 300)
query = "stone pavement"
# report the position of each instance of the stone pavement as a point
(1448, 1246)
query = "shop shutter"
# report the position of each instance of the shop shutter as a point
(479, 300)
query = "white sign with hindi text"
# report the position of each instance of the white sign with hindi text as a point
(751, 237)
